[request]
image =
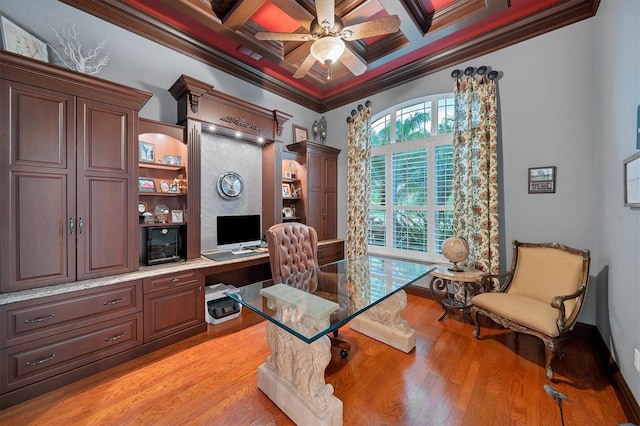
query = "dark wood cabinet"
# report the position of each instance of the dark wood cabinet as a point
(67, 166)
(45, 339)
(173, 303)
(319, 186)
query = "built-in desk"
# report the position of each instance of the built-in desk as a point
(247, 270)
(58, 334)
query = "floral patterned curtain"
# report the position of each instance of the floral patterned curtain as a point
(358, 176)
(475, 157)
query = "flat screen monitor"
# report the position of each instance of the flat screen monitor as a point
(238, 231)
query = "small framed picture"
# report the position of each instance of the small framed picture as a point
(300, 134)
(286, 190)
(177, 216)
(147, 152)
(632, 181)
(172, 160)
(542, 180)
(287, 174)
(146, 185)
(18, 40)
(287, 212)
(164, 186)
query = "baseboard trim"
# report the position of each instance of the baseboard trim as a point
(625, 396)
(589, 332)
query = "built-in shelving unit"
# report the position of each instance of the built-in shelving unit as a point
(162, 182)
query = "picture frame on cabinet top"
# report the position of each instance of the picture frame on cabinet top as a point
(18, 40)
(300, 134)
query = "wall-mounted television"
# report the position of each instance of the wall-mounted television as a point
(238, 231)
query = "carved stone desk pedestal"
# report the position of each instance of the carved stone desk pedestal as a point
(383, 323)
(293, 375)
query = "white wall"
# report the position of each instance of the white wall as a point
(617, 88)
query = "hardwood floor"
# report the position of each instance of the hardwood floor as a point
(449, 379)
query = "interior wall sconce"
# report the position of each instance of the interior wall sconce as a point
(322, 130)
(319, 128)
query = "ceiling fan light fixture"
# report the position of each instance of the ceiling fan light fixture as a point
(327, 49)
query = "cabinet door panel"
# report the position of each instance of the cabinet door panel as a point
(330, 217)
(107, 243)
(314, 172)
(103, 227)
(39, 127)
(38, 170)
(39, 233)
(169, 311)
(105, 138)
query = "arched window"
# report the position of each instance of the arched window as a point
(411, 207)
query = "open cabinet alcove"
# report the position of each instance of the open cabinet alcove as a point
(199, 107)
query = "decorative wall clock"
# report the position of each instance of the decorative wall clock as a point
(230, 185)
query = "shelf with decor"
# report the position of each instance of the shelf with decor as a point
(162, 183)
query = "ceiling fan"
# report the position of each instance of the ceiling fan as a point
(327, 32)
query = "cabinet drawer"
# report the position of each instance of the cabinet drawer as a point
(35, 361)
(330, 252)
(26, 321)
(170, 280)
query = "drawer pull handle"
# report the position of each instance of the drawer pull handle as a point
(119, 336)
(33, 321)
(175, 280)
(40, 361)
(115, 302)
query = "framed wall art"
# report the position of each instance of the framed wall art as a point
(300, 134)
(147, 152)
(16, 39)
(632, 181)
(542, 180)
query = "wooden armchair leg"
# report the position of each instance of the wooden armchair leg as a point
(550, 351)
(474, 317)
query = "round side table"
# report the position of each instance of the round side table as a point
(441, 279)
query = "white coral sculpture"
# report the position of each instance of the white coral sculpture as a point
(75, 57)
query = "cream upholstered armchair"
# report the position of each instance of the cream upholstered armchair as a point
(542, 294)
(293, 249)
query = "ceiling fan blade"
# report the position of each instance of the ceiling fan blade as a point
(353, 62)
(380, 26)
(284, 36)
(325, 11)
(305, 66)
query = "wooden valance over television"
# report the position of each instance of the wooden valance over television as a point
(199, 101)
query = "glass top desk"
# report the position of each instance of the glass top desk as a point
(367, 292)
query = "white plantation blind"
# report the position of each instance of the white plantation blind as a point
(411, 206)
(409, 171)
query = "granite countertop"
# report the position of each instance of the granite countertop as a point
(143, 272)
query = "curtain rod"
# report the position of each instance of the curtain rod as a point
(360, 108)
(482, 70)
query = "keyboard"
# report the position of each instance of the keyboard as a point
(243, 251)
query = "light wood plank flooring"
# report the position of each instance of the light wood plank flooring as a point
(449, 379)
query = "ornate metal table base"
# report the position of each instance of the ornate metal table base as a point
(383, 323)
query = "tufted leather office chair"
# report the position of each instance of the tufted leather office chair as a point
(293, 248)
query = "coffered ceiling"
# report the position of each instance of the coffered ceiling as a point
(433, 35)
